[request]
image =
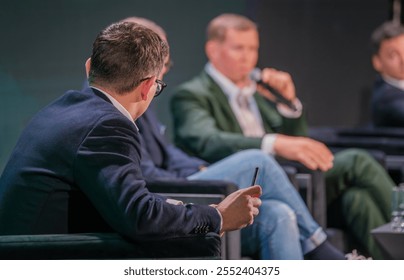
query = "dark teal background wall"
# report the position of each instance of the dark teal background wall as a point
(44, 44)
(323, 43)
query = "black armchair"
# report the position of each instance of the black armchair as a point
(105, 244)
(385, 144)
(202, 192)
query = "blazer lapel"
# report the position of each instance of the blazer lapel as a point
(225, 118)
(269, 114)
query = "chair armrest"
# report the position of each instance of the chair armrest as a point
(191, 186)
(388, 140)
(365, 131)
(106, 246)
(386, 145)
(202, 192)
(193, 191)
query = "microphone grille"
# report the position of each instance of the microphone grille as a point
(255, 74)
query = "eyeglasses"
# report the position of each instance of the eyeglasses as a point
(160, 86)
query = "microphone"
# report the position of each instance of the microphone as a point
(255, 75)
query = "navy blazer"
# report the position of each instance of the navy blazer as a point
(387, 105)
(160, 158)
(82, 144)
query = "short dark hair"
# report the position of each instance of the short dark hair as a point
(388, 30)
(123, 54)
(217, 27)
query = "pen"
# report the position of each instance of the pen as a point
(255, 176)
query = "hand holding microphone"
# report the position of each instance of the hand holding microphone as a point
(278, 83)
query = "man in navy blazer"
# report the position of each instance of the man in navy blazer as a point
(387, 102)
(87, 143)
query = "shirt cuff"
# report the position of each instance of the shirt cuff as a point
(267, 144)
(287, 112)
(174, 201)
(220, 215)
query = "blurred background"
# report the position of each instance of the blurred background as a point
(324, 44)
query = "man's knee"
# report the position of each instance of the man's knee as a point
(354, 155)
(254, 153)
(260, 158)
(277, 212)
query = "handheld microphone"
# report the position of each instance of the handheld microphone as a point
(255, 75)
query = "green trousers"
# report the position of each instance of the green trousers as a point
(359, 196)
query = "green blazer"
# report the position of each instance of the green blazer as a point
(205, 126)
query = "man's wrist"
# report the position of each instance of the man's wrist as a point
(267, 144)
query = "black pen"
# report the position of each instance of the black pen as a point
(255, 176)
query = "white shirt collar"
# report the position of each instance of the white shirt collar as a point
(228, 87)
(116, 105)
(394, 82)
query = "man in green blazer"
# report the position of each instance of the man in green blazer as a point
(222, 111)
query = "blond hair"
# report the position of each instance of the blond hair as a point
(218, 26)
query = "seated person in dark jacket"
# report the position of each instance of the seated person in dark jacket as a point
(283, 230)
(388, 60)
(87, 142)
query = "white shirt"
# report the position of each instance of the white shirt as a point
(252, 125)
(394, 82)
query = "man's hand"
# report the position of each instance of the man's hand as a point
(313, 154)
(279, 80)
(239, 208)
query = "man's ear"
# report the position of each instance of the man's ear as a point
(145, 87)
(211, 50)
(376, 63)
(88, 66)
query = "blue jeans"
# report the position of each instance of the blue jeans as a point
(284, 229)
